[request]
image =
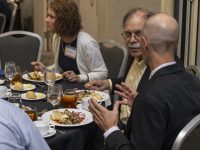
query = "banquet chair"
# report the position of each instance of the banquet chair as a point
(115, 57)
(2, 22)
(22, 47)
(189, 137)
(13, 7)
(192, 69)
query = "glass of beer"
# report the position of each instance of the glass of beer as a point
(17, 76)
(69, 98)
(32, 113)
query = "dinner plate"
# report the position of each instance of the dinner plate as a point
(88, 118)
(105, 96)
(52, 132)
(39, 96)
(25, 77)
(26, 87)
(2, 81)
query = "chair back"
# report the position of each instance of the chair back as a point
(192, 69)
(2, 22)
(13, 7)
(22, 47)
(189, 136)
(115, 57)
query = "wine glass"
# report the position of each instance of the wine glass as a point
(49, 77)
(9, 70)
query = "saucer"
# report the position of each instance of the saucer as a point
(2, 81)
(52, 132)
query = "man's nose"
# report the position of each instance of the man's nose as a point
(132, 38)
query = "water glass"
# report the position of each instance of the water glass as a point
(15, 98)
(54, 94)
(49, 77)
(9, 70)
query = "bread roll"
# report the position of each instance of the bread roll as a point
(18, 86)
(30, 95)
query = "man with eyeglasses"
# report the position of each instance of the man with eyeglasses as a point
(165, 105)
(133, 23)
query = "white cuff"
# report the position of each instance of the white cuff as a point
(109, 131)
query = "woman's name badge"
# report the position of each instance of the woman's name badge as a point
(70, 51)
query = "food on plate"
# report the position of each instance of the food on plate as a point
(67, 117)
(30, 95)
(18, 86)
(36, 75)
(58, 76)
(88, 93)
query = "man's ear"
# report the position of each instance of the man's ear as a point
(144, 41)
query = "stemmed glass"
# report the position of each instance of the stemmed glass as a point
(49, 77)
(10, 70)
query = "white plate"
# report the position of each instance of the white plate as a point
(88, 118)
(2, 81)
(39, 96)
(105, 96)
(52, 132)
(25, 77)
(27, 87)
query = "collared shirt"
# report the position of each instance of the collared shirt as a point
(132, 79)
(159, 67)
(17, 131)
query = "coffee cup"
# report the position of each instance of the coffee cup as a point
(85, 103)
(43, 127)
(3, 90)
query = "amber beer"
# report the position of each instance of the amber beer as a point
(32, 114)
(69, 98)
(16, 78)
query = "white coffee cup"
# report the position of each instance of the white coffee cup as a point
(85, 103)
(3, 90)
(43, 127)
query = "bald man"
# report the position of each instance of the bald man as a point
(163, 107)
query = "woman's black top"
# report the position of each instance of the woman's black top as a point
(65, 62)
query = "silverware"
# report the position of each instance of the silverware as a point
(40, 85)
(62, 132)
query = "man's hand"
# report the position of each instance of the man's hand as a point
(38, 66)
(71, 76)
(104, 118)
(98, 85)
(127, 93)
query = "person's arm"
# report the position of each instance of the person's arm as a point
(94, 62)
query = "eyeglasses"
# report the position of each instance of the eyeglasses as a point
(127, 35)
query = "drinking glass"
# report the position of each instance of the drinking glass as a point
(15, 98)
(69, 98)
(49, 77)
(9, 70)
(32, 113)
(17, 76)
(54, 94)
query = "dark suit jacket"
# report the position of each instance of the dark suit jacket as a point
(145, 76)
(163, 107)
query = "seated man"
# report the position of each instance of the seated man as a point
(17, 130)
(165, 105)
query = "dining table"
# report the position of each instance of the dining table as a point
(84, 137)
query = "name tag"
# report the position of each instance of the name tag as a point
(70, 51)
